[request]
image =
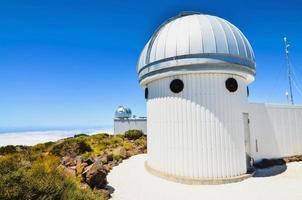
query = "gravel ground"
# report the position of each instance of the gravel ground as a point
(131, 181)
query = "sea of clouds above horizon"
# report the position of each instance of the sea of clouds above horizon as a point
(35, 137)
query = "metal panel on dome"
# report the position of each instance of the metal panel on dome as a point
(154, 50)
(239, 40)
(142, 58)
(161, 44)
(195, 36)
(171, 40)
(220, 38)
(182, 43)
(231, 40)
(186, 40)
(208, 39)
(247, 45)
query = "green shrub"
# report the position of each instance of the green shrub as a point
(71, 147)
(99, 136)
(115, 140)
(133, 134)
(86, 155)
(101, 146)
(41, 179)
(80, 135)
(116, 157)
(8, 149)
(128, 146)
(44, 147)
(32, 173)
(10, 163)
(74, 192)
(141, 142)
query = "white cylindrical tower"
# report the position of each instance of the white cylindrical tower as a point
(195, 70)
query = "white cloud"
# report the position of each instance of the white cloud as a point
(36, 137)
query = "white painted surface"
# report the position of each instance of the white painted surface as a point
(277, 130)
(197, 133)
(122, 125)
(195, 42)
(132, 182)
(196, 34)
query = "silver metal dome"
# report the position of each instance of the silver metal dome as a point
(123, 112)
(193, 42)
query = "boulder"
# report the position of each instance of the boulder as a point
(111, 164)
(68, 161)
(109, 157)
(73, 168)
(293, 159)
(89, 161)
(79, 159)
(80, 166)
(69, 171)
(85, 170)
(121, 151)
(142, 149)
(133, 152)
(96, 176)
(106, 168)
(104, 193)
(103, 159)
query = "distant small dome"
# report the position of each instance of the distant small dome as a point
(193, 42)
(123, 112)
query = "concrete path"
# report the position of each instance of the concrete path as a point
(131, 181)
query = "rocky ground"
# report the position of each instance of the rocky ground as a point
(77, 165)
(92, 169)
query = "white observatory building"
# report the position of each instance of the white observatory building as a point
(124, 121)
(195, 70)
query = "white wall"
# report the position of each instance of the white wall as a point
(122, 125)
(277, 130)
(197, 133)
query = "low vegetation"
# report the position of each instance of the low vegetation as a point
(70, 169)
(133, 134)
(71, 147)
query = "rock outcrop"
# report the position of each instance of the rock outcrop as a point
(93, 170)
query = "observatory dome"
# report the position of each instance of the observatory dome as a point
(193, 42)
(123, 112)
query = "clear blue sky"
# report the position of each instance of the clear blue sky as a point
(71, 63)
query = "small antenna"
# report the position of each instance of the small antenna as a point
(286, 45)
